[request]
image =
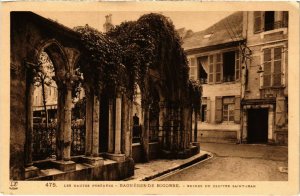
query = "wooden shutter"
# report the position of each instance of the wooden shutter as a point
(208, 110)
(193, 68)
(258, 22)
(277, 66)
(237, 109)
(218, 68)
(285, 19)
(267, 67)
(218, 113)
(211, 69)
(237, 66)
(280, 111)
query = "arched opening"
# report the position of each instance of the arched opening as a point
(44, 109)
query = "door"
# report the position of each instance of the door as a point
(258, 126)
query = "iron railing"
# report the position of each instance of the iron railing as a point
(44, 140)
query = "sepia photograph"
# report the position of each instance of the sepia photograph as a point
(152, 98)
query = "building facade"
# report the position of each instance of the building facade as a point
(265, 87)
(215, 61)
(241, 62)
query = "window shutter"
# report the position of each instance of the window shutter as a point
(237, 66)
(218, 68)
(193, 68)
(237, 109)
(267, 67)
(211, 69)
(218, 114)
(208, 110)
(258, 23)
(277, 67)
(285, 19)
(280, 111)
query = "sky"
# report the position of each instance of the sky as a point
(195, 21)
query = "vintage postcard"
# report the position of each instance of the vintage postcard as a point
(150, 98)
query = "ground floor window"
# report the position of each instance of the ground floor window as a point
(228, 109)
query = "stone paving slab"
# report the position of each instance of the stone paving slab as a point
(155, 168)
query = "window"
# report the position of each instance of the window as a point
(272, 66)
(229, 66)
(228, 109)
(203, 113)
(202, 69)
(218, 68)
(269, 20)
(211, 69)
(193, 68)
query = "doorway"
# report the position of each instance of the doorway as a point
(257, 125)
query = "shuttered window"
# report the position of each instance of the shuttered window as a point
(228, 109)
(258, 22)
(280, 119)
(193, 68)
(237, 109)
(272, 67)
(277, 66)
(208, 110)
(218, 112)
(211, 69)
(267, 67)
(218, 68)
(237, 66)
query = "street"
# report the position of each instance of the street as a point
(237, 162)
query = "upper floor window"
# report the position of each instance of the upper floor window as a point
(269, 20)
(272, 65)
(224, 67)
(202, 69)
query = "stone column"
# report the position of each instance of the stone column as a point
(67, 125)
(89, 123)
(162, 114)
(196, 127)
(118, 126)
(110, 126)
(193, 126)
(95, 133)
(29, 131)
(126, 139)
(145, 133)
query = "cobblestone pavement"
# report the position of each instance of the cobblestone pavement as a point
(240, 162)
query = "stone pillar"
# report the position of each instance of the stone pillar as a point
(145, 133)
(29, 130)
(67, 125)
(129, 146)
(118, 126)
(110, 127)
(196, 126)
(126, 139)
(89, 123)
(193, 126)
(161, 121)
(95, 133)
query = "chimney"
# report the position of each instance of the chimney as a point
(108, 23)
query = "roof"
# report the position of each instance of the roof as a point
(226, 30)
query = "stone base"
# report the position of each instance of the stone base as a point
(95, 161)
(64, 165)
(116, 157)
(31, 172)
